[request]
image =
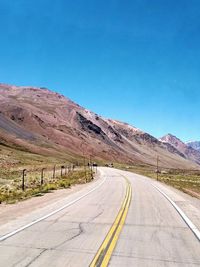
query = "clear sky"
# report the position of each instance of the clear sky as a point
(133, 60)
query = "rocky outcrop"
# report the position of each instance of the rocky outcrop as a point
(194, 144)
(187, 151)
(43, 121)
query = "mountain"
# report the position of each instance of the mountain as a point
(189, 152)
(47, 123)
(194, 144)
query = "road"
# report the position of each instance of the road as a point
(121, 219)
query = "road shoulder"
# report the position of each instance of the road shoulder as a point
(188, 204)
(15, 215)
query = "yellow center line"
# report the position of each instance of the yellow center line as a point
(105, 251)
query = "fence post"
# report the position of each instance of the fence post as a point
(54, 171)
(23, 179)
(157, 162)
(91, 171)
(61, 170)
(42, 176)
(85, 169)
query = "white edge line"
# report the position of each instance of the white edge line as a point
(190, 224)
(6, 236)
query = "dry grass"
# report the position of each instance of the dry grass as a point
(13, 161)
(187, 181)
(10, 193)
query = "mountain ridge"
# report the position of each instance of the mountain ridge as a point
(188, 151)
(194, 144)
(44, 121)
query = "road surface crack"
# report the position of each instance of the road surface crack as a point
(96, 216)
(81, 230)
(34, 259)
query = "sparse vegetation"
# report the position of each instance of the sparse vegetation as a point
(187, 181)
(10, 193)
(13, 161)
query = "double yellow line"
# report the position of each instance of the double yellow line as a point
(104, 253)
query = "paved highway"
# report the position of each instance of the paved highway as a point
(121, 219)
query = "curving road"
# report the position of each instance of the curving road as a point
(121, 219)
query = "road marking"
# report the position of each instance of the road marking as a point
(6, 236)
(105, 251)
(190, 224)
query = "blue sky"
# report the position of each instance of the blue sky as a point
(137, 61)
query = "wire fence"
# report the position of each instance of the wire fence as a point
(33, 178)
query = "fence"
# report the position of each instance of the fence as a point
(44, 175)
(26, 178)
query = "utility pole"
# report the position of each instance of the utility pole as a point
(84, 163)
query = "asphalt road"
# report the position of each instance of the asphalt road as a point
(140, 226)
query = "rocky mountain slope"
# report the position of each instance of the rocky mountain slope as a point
(47, 123)
(194, 144)
(189, 152)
